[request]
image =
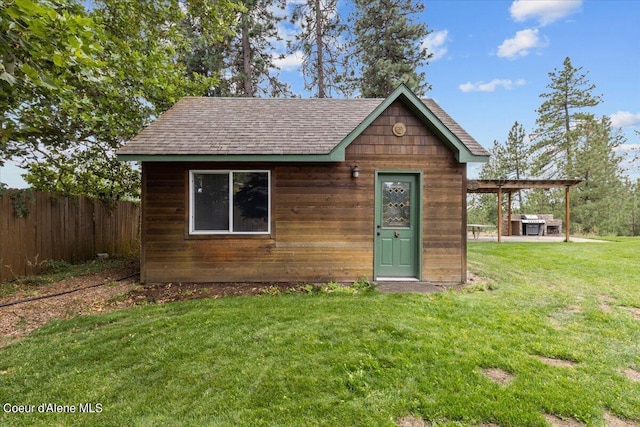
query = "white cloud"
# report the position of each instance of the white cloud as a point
(521, 44)
(491, 86)
(290, 62)
(545, 11)
(623, 119)
(435, 43)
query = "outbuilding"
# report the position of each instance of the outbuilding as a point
(304, 190)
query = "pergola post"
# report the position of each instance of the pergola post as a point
(567, 213)
(509, 215)
(499, 213)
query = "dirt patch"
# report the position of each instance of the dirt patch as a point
(606, 299)
(411, 422)
(573, 309)
(562, 422)
(498, 375)
(635, 311)
(632, 374)
(84, 297)
(560, 318)
(605, 308)
(611, 420)
(170, 292)
(557, 362)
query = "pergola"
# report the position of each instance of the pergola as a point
(510, 186)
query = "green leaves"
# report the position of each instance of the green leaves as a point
(77, 84)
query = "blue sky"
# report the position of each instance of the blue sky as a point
(492, 59)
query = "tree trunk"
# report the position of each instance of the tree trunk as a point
(320, 49)
(247, 71)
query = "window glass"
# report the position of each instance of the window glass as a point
(229, 202)
(250, 201)
(210, 202)
(396, 204)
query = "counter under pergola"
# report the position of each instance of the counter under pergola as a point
(510, 186)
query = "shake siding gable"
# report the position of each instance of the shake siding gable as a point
(322, 219)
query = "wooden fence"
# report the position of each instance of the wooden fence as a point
(36, 227)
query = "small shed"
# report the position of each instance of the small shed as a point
(304, 190)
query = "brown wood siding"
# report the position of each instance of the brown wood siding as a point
(322, 219)
(443, 214)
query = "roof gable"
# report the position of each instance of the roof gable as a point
(464, 147)
(281, 130)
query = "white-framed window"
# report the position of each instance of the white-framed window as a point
(230, 202)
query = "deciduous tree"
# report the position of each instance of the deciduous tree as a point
(66, 134)
(41, 45)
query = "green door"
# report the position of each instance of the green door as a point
(397, 226)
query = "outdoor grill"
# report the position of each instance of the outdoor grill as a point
(532, 225)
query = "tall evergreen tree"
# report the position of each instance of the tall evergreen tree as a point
(517, 156)
(482, 207)
(388, 46)
(243, 59)
(495, 167)
(599, 199)
(556, 136)
(251, 53)
(632, 207)
(319, 43)
(204, 54)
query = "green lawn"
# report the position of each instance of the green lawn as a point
(365, 359)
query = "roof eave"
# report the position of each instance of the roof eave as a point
(468, 157)
(334, 156)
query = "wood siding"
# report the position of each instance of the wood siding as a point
(322, 219)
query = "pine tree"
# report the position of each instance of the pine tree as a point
(252, 54)
(243, 58)
(516, 156)
(495, 167)
(319, 43)
(204, 56)
(509, 161)
(632, 207)
(482, 207)
(387, 46)
(516, 153)
(599, 199)
(556, 136)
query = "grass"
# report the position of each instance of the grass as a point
(363, 359)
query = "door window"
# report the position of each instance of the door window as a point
(396, 204)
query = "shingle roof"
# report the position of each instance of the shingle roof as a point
(197, 126)
(252, 126)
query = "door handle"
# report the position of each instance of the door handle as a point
(396, 234)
